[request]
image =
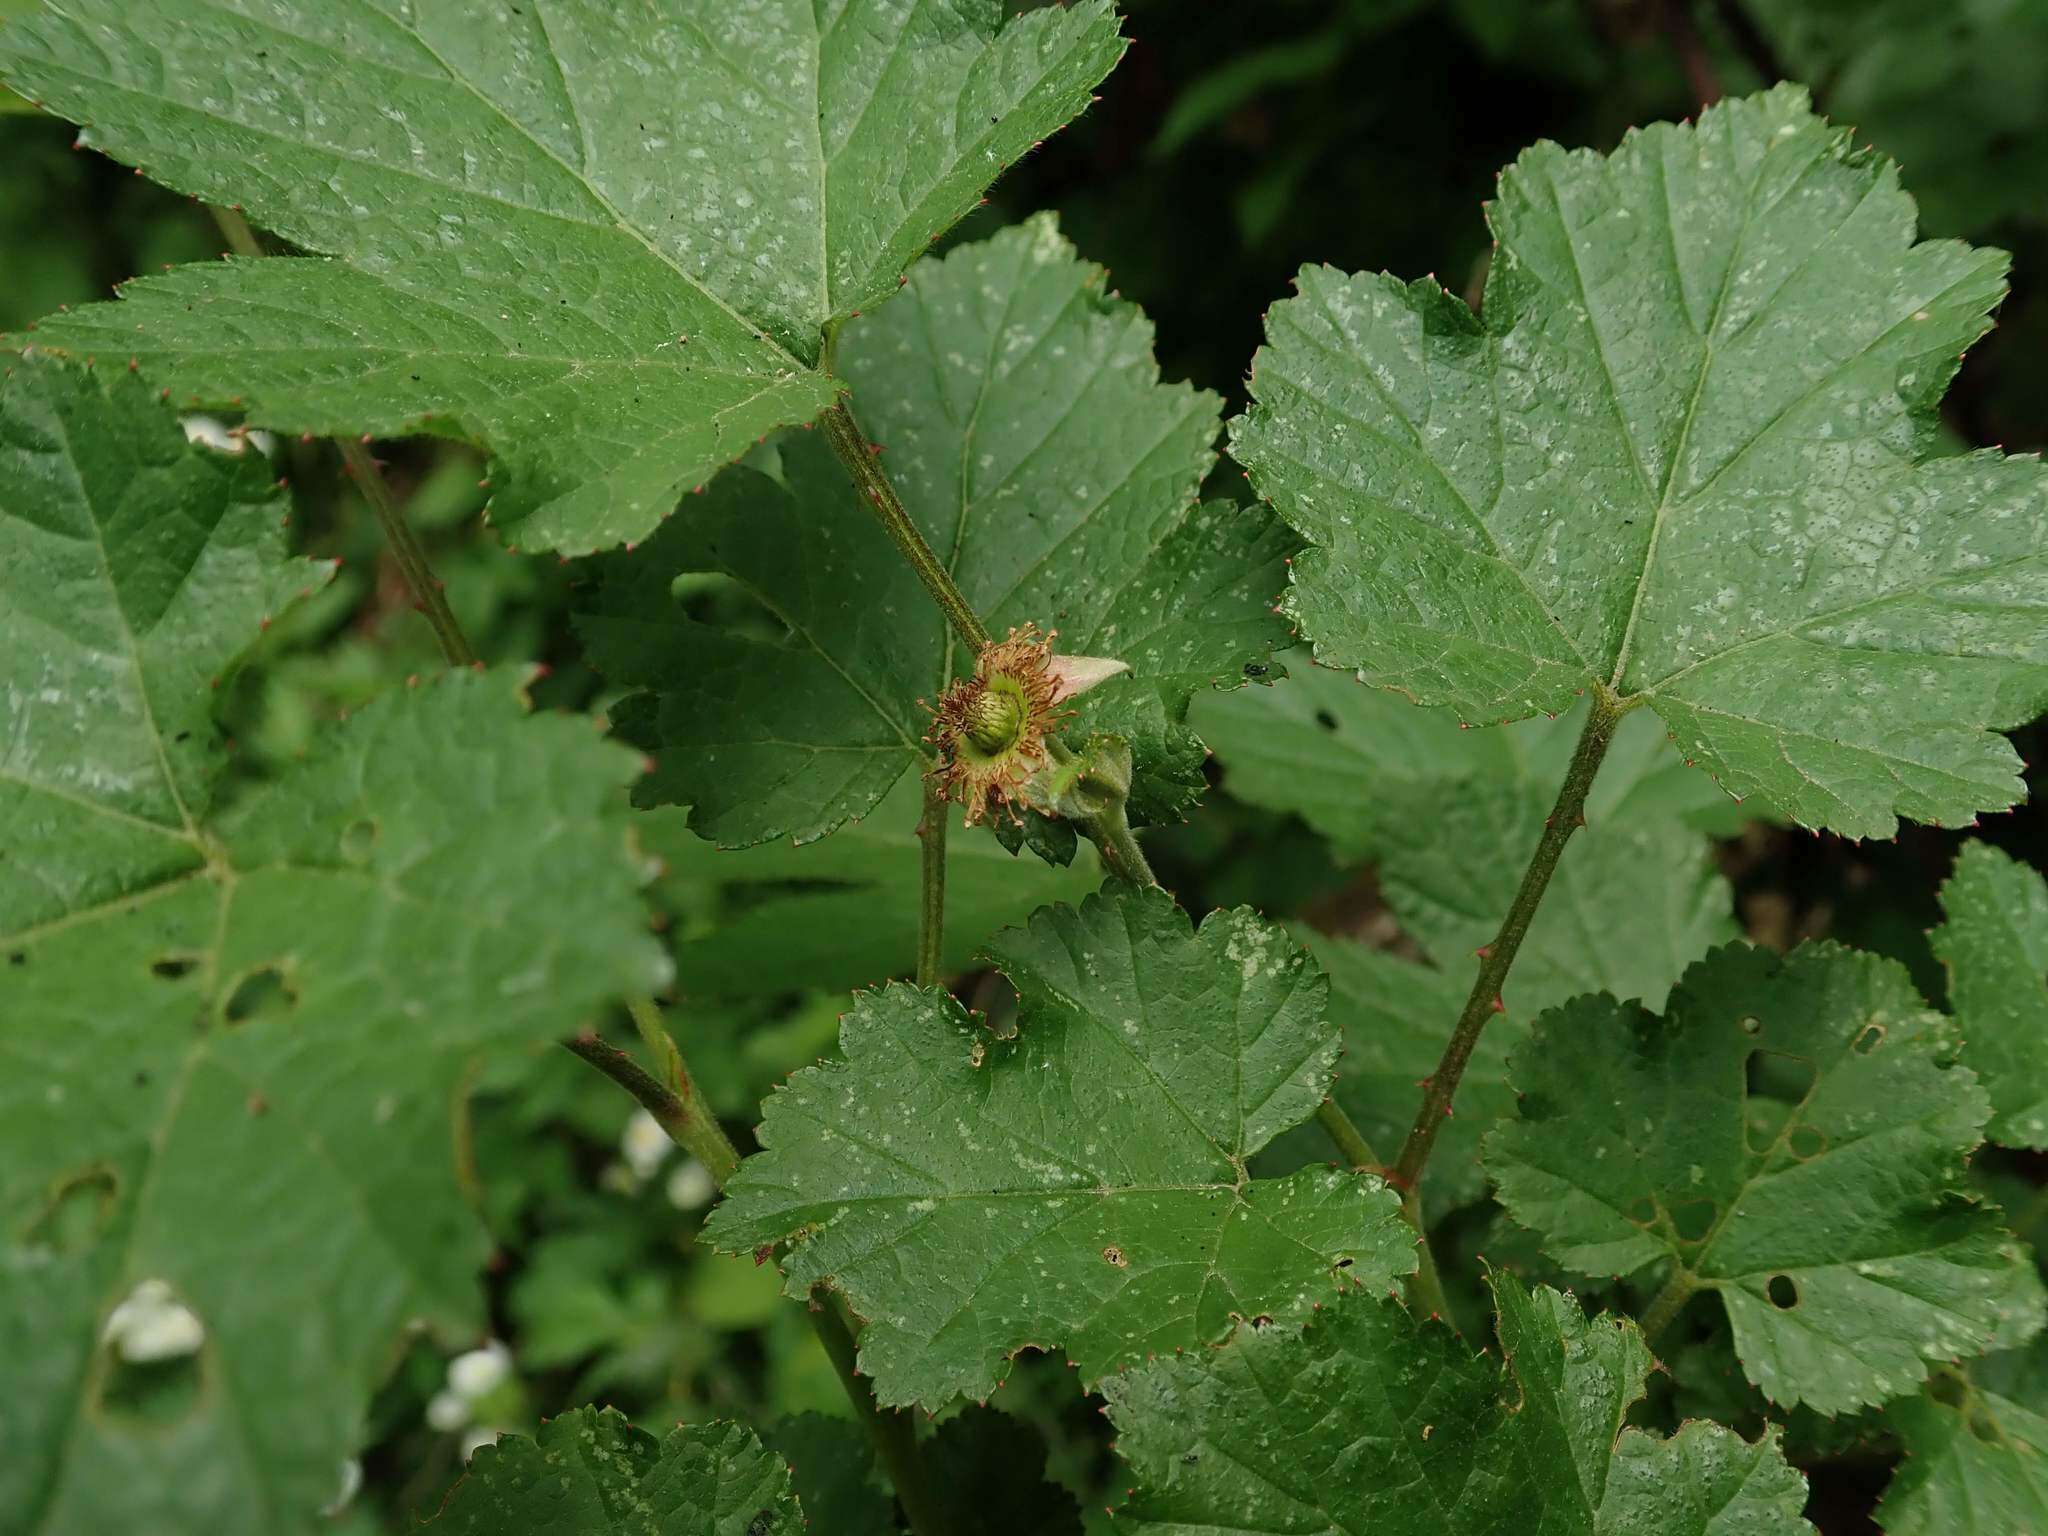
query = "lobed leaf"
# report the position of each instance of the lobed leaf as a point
(1976, 1453)
(233, 1028)
(1995, 945)
(592, 1473)
(1680, 457)
(1027, 431)
(603, 245)
(1368, 1420)
(1792, 1135)
(1082, 1183)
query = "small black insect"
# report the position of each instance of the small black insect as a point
(1255, 669)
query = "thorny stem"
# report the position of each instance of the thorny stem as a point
(1667, 1304)
(869, 478)
(427, 592)
(1494, 960)
(1111, 833)
(1425, 1286)
(931, 917)
(680, 1110)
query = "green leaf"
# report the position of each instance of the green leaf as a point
(1680, 457)
(603, 245)
(1792, 1133)
(591, 1473)
(1367, 1421)
(988, 1472)
(843, 913)
(832, 1465)
(1976, 1453)
(234, 1031)
(1026, 429)
(1342, 756)
(1995, 945)
(1081, 1184)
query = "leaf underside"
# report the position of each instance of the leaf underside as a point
(1025, 427)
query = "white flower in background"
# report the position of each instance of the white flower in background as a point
(644, 1144)
(691, 1186)
(472, 1376)
(480, 1372)
(152, 1324)
(478, 1438)
(211, 432)
(447, 1412)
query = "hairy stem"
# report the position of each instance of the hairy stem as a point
(680, 1110)
(1111, 833)
(690, 1125)
(427, 593)
(1667, 1304)
(1425, 1286)
(865, 468)
(931, 916)
(1494, 960)
(894, 1434)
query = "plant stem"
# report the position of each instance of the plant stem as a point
(1112, 836)
(1750, 42)
(865, 468)
(690, 1125)
(1494, 960)
(1691, 48)
(931, 916)
(1667, 1304)
(427, 593)
(894, 1434)
(1425, 1286)
(680, 1110)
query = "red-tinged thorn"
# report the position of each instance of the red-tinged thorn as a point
(647, 765)
(365, 439)
(1579, 820)
(134, 366)
(1499, 1006)
(413, 681)
(1484, 951)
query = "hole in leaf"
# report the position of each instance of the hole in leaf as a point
(81, 1204)
(17, 957)
(1326, 720)
(1783, 1291)
(1871, 1038)
(1947, 1388)
(262, 994)
(1751, 1024)
(173, 967)
(1694, 1220)
(1774, 1075)
(1642, 1211)
(1806, 1141)
(359, 841)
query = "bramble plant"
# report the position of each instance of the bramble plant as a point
(911, 613)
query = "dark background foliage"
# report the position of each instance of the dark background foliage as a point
(1238, 140)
